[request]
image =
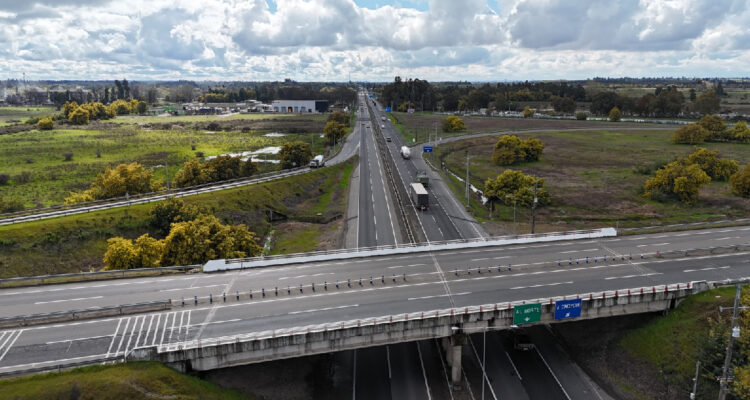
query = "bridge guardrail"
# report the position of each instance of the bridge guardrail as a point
(88, 313)
(449, 312)
(253, 262)
(84, 275)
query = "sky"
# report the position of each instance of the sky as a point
(373, 40)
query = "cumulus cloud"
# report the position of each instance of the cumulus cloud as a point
(330, 39)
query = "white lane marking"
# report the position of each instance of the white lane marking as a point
(542, 285)
(480, 259)
(148, 330)
(62, 300)
(304, 276)
(706, 269)
(577, 251)
(552, 373)
(631, 276)
(156, 329)
(122, 337)
(132, 333)
(218, 322)
(164, 328)
(437, 295)
(171, 330)
(114, 335)
(78, 339)
(725, 238)
(500, 258)
(388, 359)
(323, 309)
(11, 344)
(424, 372)
(189, 288)
(513, 365)
(140, 331)
(187, 326)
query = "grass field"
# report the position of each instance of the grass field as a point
(141, 380)
(22, 113)
(149, 119)
(593, 180)
(78, 242)
(41, 177)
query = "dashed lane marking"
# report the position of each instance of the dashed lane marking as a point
(63, 300)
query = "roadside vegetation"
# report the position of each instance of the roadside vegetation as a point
(654, 356)
(291, 207)
(138, 380)
(598, 177)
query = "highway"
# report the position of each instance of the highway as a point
(433, 281)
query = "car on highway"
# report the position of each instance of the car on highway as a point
(387, 138)
(522, 342)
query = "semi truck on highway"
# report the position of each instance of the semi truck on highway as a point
(419, 195)
(423, 178)
(317, 162)
(405, 153)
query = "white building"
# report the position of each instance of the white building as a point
(299, 106)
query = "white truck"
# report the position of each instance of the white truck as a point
(317, 162)
(405, 152)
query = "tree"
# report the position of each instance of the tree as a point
(191, 174)
(205, 238)
(740, 182)
(68, 108)
(716, 168)
(45, 124)
(142, 107)
(124, 179)
(148, 252)
(295, 154)
(334, 131)
(717, 129)
(581, 116)
(603, 102)
(120, 254)
(79, 116)
(528, 112)
(510, 149)
(615, 115)
(563, 104)
(677, 179)
(690, 134)
(120, 107)
(707, 103)
(169, 211)
(513, 184)
(340, 117)
(453, 123)
(533, 149)
(740, 132)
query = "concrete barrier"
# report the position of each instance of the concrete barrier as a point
(705, 251)
(89, 313)
(258, 262)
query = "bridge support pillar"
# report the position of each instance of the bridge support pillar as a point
(452, 347)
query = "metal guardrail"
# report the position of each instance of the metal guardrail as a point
(685, 225)
(118, 273)
(60, 367)
(87, 313)
(448, 312)
(68, 209)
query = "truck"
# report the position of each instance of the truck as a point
(419, 196)
(423, 178)
(382, 117)
(405, 153)
(317, 162)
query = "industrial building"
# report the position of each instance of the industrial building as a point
(299, 106)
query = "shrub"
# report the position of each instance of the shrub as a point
(740, 182)
(10, 205)
(200, 154)
(740, 132)
(68, 156)
(79, 116)
(340, 117)
(715, 126)
(124, 179)
(528, 112)
(512, 184)
(23, 177)
(678, 179)
(453, 123)
(615, 115)
(4, 179)
(690, 134)
(45, 124)
(295, 154)
(716, 168)
(169, 211)
(510, 149)
(334, 131)
(581, 116)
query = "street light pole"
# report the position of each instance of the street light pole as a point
(728, 360)
(484, 352)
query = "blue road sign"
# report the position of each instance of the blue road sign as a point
(387, 109)
(567, 309)
(427, 149)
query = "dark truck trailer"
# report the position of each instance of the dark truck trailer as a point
(420, 196)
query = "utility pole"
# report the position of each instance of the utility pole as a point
(695, 380)
(734, 331)
(467, 179)
(166, 169)
(533, 209)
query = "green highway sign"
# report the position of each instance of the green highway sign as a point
(527, 313)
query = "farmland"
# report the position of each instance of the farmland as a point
(39, 176)
(596, 178)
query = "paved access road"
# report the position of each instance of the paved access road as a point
(433, 281)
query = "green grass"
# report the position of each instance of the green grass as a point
(140, 380)
(593, 180)
(39, 155)
(301, 240)
(77, 243)
(148, 119)
(22, 113)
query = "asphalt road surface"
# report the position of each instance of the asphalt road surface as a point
(433, 281)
